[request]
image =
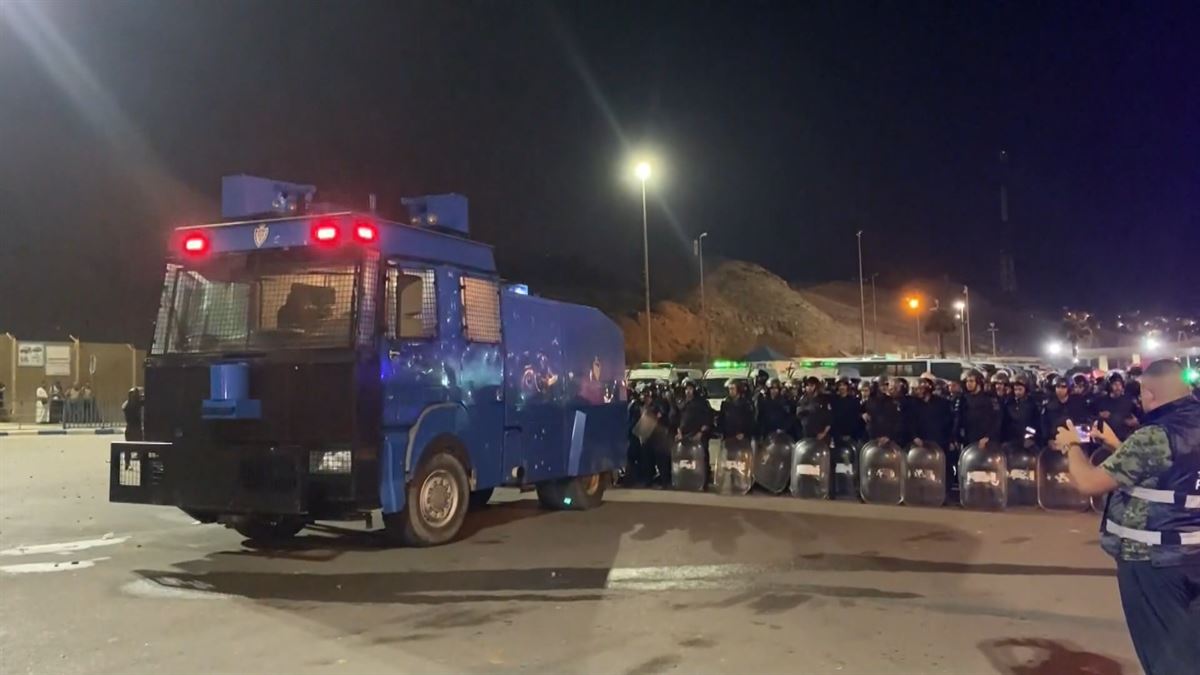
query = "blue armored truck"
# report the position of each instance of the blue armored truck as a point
(311, 363)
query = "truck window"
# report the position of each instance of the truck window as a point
(411, 303)
(481, 309)
(259, 300)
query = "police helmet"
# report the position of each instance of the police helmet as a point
(1115, 376)
(774, 383)
(816, 381)
(687, 382)
(972, 373)
(1000, 376)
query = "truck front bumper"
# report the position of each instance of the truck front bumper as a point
(263, 480)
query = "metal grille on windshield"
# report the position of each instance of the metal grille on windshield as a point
(262, 302)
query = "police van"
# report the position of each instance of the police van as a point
(649, 373)
(314, 364)
(716, 379)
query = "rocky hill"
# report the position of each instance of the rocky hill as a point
(749, 306)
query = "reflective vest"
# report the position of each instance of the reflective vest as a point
(1172, 527)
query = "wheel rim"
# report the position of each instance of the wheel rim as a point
(592, 484)
(439, 498)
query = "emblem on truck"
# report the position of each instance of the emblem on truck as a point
(260, 235)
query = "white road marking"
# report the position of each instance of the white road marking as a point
(65, 547)
(172, 589)
(35, 568)
(681, 577)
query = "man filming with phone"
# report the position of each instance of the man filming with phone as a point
(1151, 524)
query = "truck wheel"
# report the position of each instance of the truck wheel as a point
(576, 494)
(480, 498)
(437, 503)
(267, 529)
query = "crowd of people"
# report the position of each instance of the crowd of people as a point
(75, 404)
(1015, 410)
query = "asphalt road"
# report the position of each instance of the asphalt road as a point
(652, 582)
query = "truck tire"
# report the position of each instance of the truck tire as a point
(480, 498)
(437, 503)
(264, 529)
(573, 494)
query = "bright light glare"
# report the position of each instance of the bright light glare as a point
(1152, 343)
(1054, 348)
(914, 303)
(960, 305)
(642, 171)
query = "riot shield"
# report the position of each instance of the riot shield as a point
(882, 473)
(1056, 489)
(689, 465)
(844, 480)
(773, 462)
(735, 467)
(811, 471)
(1100, 454)
(983, 478)
(1022, 474)
(925, 479)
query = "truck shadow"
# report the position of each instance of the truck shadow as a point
(516, 560)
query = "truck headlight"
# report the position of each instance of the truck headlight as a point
(329, 461)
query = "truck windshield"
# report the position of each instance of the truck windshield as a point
(258, 301)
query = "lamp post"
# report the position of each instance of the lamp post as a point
(642, 171)
(967, 317)
(862, 296)
(874, 316)
(961, 307)
(914, 303)
(703, 312)
(993, 330)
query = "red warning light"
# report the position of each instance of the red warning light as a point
(325, 231)
(195, 244)
(365, 231)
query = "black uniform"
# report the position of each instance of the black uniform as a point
(1056, 414)
(933, 421)
(980, 417)
(814, 415)
(736, 417)
(885, 417)
(694, 416)
(1119, 409)
(774, 414)
(846, 417)
(907, 407)
(1019, 413)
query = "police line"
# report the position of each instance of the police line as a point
(994, 477)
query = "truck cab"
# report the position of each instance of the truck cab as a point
(328, 364)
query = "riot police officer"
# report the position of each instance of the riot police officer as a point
(1020, 415)
(980, 412)
(774, 414)
(1061, 406)
(736, 417)
(882, 413)
(695, 415)
(1116, 407)
(696, 421)
(933, 419)
(846, 421)
(899, 392)
(813, 416)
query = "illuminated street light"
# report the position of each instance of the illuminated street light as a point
(642, 171)
(960, 305)
(1151, 343)
(914, 303)
(1054, 348)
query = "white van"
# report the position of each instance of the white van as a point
(660, 372)
(717, 377)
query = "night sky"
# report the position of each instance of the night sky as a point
(780, 128)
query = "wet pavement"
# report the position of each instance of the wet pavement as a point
(652, 582)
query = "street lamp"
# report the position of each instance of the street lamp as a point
(1054, 348)
(642, 171)
(703, 312)
(961, 307)
(862, 295)
(914, 304)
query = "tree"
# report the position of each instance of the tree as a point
(941, 321)
(1078, 327)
